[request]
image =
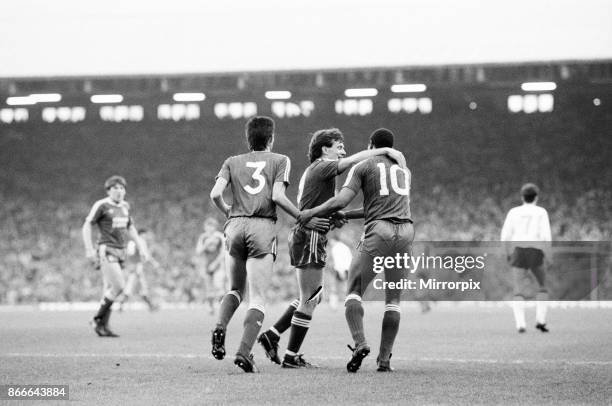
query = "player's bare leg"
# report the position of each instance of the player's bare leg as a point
(115, 283)
(229, 304)
(144, 289)
(310, 280)
(129, 289)
(360, 276)
(541, 299)
(518, 305)
(259, 272)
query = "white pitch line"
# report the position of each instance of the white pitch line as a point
(333, 358)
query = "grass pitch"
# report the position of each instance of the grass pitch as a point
(452, 355)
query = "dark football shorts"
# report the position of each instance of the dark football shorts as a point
(385, 238)
(250, 237)
(527, 258)
(307, 247)
(113, 254)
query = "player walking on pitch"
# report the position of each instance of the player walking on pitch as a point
(526, 232)
(136, 274)
(258, 181)
(112, 216)
(388, 230)
(307, 248)
(210, 259)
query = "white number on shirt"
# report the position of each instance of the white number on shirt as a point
(261, 181)
(384, 188)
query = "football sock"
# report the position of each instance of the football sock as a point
(252, 324)
(299, 327)
(107, 317)
(390, 326)
(284, 322)
(105, 306)
(518, 307)
(354, 317)
(541, 307)
(229, 304)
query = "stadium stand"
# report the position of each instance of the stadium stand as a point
(466, 166)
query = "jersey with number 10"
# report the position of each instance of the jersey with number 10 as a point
(252, 177)
(386, 189)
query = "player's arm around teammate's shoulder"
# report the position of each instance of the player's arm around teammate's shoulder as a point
(346, 163)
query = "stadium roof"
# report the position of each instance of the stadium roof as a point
(72, 37)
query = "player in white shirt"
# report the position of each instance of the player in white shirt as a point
(526, 232)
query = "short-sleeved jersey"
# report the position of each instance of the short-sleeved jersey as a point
(527, 223)
(252, 177)
(113, 220)
(318, 183)
(386, 189)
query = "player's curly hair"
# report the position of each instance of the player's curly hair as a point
(259, 132)
(382, 138)
(320, 139)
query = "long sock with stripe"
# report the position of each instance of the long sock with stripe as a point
(284, 322)
(354, 317)
(299, 327)
(252, 324)
(390, 326)
(229, 304)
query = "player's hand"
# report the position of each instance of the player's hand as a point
(397, 156)
(318, 224)
(304, 217)
(338, 219)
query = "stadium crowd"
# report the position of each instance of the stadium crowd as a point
(466, 169)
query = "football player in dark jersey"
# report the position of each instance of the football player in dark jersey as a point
(388, 231)
(112, 217)
(307, 248)
(258, 180)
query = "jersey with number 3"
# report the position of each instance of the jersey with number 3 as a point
(252, 177)
(385, 186)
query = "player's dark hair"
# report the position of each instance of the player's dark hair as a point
(529, 191)
(382, 138)
(320, 139)
(259, 132)
(114, 180)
